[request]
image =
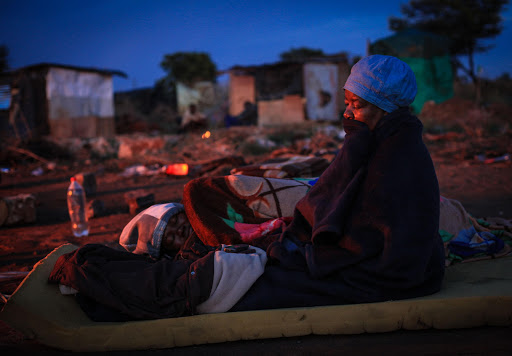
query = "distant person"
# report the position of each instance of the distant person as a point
(248, 117)
(193, 119)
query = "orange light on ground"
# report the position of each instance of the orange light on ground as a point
(177, 169)
(206, 135)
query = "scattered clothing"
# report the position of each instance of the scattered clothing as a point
(454, 217)
(469, 239)
(469, 243)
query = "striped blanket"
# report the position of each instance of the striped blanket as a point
(239, 208)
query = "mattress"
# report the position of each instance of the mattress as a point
(473, 294)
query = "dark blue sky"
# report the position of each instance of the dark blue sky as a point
(133, 36)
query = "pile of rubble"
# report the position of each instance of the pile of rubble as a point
(252, 143)
(204, 153)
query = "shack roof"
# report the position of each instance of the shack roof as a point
(43, 66)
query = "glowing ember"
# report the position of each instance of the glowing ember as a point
(177, 169)
(206, 135)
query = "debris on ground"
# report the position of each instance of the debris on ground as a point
(139, 200)
(486, 160)
(17, 209)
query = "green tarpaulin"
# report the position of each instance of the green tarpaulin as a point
(427, 55)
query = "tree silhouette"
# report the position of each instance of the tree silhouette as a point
(188, 68)
(300, 54)
(466, 23)
(184, 67)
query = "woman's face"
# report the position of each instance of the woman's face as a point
(361, 110)
(176, 232)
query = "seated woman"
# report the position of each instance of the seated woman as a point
(366, 231)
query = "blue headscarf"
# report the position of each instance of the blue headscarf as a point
(384, 81)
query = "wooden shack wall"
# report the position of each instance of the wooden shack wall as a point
(286, 111)
(241, 89)
(280, 92)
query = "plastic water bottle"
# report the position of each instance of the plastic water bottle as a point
(76, 208)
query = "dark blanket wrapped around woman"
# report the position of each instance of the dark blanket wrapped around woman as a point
(367, 231)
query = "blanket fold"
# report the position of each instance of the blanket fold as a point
(234, 274)
(285, 167)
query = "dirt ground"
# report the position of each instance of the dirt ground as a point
(484, 189)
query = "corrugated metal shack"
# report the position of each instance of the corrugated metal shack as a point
(291, 92)
(61, 101)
